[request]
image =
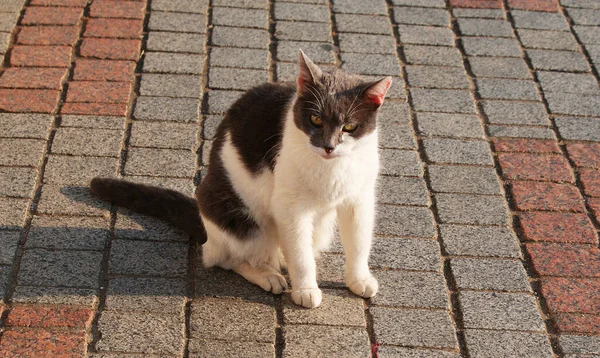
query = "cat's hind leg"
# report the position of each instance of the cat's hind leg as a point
(264, 276)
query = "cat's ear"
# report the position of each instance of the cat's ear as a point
(375, 93)
(309, 72)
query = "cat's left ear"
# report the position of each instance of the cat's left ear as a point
(375, 93)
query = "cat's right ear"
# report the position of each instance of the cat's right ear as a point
(309, 72)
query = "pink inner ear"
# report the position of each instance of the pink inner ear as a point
(376, 94)
(376, 98)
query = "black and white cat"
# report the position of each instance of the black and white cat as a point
(287, 161)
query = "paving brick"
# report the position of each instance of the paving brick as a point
(463, 179)
(114, 49)
(83, 141)
(449, 125)
(587, 35)
(480, 241)
(165, 108)
(176, 42)
(395, 134)
(37, 343)
(44, 317)
(70, 233)
(103, 70)
(48, 35)
(558, 60)
(250, 4)
(220, 101)
(522, 166)
(576, 105)
(408, 254)
(423, 3)
(9, 241)
(418, 289)
(188, 6)
(96, 91)
(565, 260)
(178, 22)
(471, 209)
(35, 15)
(539, 20)
(441, 150)
(40, 56)
(77, 170)
(164, 135)
(483, 46)
(578, 323)
(164, 162)
(585, 17)
(358, 7)
(570, 294)
(489, 274)
(30, 77)
(11, 6)
(523, 145)
(8, 21)
(117, 9)
(442, 100)
(504, 67)
(140, 332)
(586, 4)
(134, 257)
(4, 277)
(521, 132)
(54, 295)
(66, 3)
(401, 190)
(302, 341)
(400, 162)
(436, 77)
(507, 89)
(217, 282)
(240, 58)
(17, 182)
(301, 12)
(546, 196)
(164, 62)
(550, 40)
(508, 112)
(419, 328)
(366, 43)
(223, 349)
(338, 308)
(421, 16)
(170, 85)
(425, 35)
(404, 221)
(394, 351)
(539, 5)
(484, 27)
(485, 4)
(580, 344)
(97, 109)
(134, 226)
(371, 64)
(590, 179)
(364, 24)
(40, 267)
(578, 128)
(584, 154)
(4, 40)
(432, 55)
(165, 295)
(21, 152)
(319, 52)
(478, 13)
(497, 344)
(498, 310)
(557, 227)
(30, 100)
(114, 28)
(240, 37)
(225, 78)
(70, 200)
(240, 17)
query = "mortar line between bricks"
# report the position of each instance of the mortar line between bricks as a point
(532, 279)
(450, 283)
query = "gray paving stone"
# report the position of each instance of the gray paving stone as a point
(507, 344)
(405, 352)
(240, 37)
(21, 152)
(485, 27)
(250, 4)
(40, 267)
(589, 4)
(449, 125)
(168, 135)
(4, 277)
(161, 162)
(230, 78)
(568, 82)
(206, 149)
(400, 162)
(509, 112)
(220, 101)
(330, 269)
(408, 254)
(8, 21)
(54, 295)
(84, 141)
(568, 103)
(25, 125)
(134, 226)
(432, 55)
(165, 108)
(471, 209)
(478, 13)
(558, 60)
(411, 327)
(404, 221)
(83, 121)
(366, 43)
(436, 77)
(178, 22)
(587, 34)
(4, 40)
(319, 52)
(395, 133)
(539, 20)
(505, 67)
(301, 12)
(464, 179)
(214, 318)
(410, 289)
(585, 17)
(521, 132)
(500, 88)
(170, 85)
(489, 274)
(551, 40)
(579, 128)
(394, 112)
(499, 310)
(303, 31)
(217, 282)
(134, 257)
(421, 16)
(189, 6)
(240, 17)
(72, 170)
(164, 295)
(9, 240)
(11, 5)
(371, 64)
(425, 35)
(320, 341)
(421, 3)
(143, 332)
(402, 190)
(164, 62)
(580, 344)
(455, 151)
(240, 58)
(442, 100)
(225, 349)
(365, 24)
(184, 185)
(210, 125)
(377, 7)
(74, 200)
(483, 46)
(339, 308)
(71, 233)
(396, 90)
(17, 182)
(480, 241)
(12, 212)
(175, 42)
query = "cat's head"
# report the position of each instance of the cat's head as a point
(336, 109)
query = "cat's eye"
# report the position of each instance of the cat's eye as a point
(350, 127)
(317, 121)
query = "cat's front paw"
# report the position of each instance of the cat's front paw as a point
(366, 288)
(307, 297)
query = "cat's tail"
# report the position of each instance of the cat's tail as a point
(171, 206)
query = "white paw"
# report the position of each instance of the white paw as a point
(273, 283)
(307, 297)
(366, 288)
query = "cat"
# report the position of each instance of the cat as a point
(287, 161)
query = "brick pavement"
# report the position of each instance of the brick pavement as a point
(489, 211)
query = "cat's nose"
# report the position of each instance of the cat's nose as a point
(328, 150)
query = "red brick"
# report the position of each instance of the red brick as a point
(479, 4)
(115, 49)
(51, 16)
(39, 316)
(118, 9)
(518, 166)
(526, 145)
(32, 77)
(534, 5)
(594, 203)
(97, 109)
(565, 260)
(547, 196)
(69, 3)
(557, 227)
(98, 92)
(591, 181)
(103, 70)
(579, 323)
(28, 100)
(35, 343)
(41, 56)
(569, 294)
(48, 35)
(585, 154)
(116, 28)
